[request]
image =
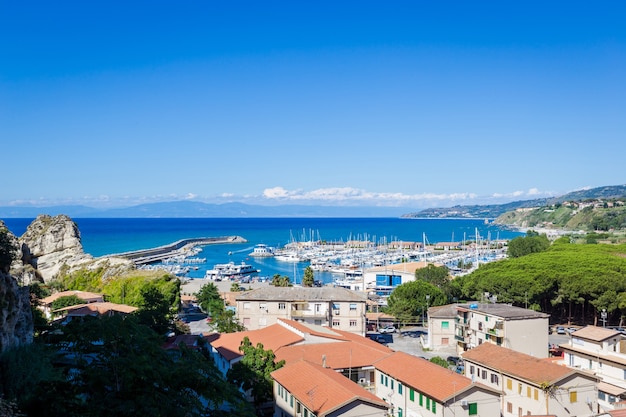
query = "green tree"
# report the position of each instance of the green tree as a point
(122, 370)
(210, 300)
(66, 301)
(437, 360)
(226, 322)
(525, 245)
(281, 281)
(253, 371)
(7, 250)
(234, 287)
(309, 279)
(154, 311)
(408, 301)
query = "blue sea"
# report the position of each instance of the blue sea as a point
(115, 235)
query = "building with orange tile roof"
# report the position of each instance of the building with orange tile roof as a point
(87, 297)
(95, 309)
(603, 352)
(305, 389)
(530, 385)
(417, 387)
(225, 348)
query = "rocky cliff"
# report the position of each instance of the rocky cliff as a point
(51, 244)
(16, 317)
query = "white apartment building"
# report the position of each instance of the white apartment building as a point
(532, 386)
(515, 328)
(332, 307)
(603, 352)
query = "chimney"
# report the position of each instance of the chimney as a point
(323, 361)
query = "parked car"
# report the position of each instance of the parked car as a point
(454, 360)
(382, 338)
(388, 329)
(560, 330)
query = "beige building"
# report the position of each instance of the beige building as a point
(515, 328)
(383, 279)
(603, 352)
(332, 307)
(532, 386)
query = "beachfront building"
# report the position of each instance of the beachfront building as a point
(333, 307)
(601, 351)
(516, 328)
(304, 389)
(532, 386)
(415, 387)
(383, 279)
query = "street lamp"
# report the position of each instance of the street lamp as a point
(424, 312)
(603, 316)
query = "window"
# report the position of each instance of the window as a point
(427, 403)
(386, 381)
(480, 325)
(392, 384)
(263, 306)
(421, 399)
(399, 388)
(434, 409)
(382, 378)
(495, 379)
(519, 388)
(318, 322)
(573, 396)
(536, 394)
(262, 321)
(445, 325)
(335, 323)
(484, 374)
(352, 323)
(471, 370)
(246, 306)
(399, 411)
(473, 409)
(291, 400)
(411, 394)
(509, 384)
(352, 306)
(281, 306)
(509, 407)
(318, 308)
(445, 341)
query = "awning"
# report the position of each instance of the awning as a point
(611, 389)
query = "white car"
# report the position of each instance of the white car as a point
(388, 329)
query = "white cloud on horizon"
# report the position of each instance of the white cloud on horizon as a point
(280, 195)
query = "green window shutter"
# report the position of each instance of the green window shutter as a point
(411, 394)
(421, 400)
(434, 406)
(445, 325)
(473, 409)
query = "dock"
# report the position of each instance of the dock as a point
(158, 254)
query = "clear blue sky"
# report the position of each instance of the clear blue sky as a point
(412, 103)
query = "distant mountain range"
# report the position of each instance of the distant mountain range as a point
(192, 209)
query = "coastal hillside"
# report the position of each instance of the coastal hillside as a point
(598, 195)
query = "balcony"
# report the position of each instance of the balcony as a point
(309, 314)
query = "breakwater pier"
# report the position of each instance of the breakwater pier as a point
(160, 253)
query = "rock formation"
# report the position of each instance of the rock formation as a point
(16, 317)
(51, 244)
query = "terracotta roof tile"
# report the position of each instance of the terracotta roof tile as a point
(337, 355)
(98, 308)
(323, 390)
(312, 329)
(301, 293)
(441, 383)
(517, 364)
(83, 295)
(272, 337)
